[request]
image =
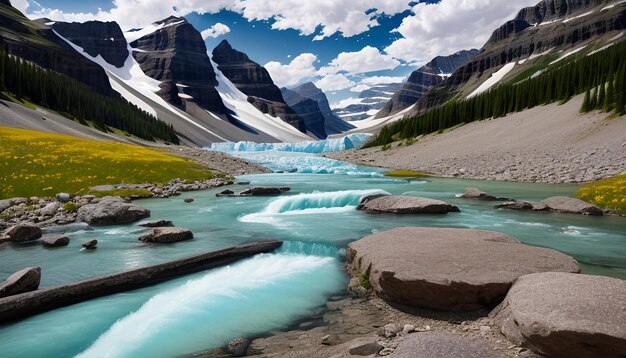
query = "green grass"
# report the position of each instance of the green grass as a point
(406, 174)
(607, 193)
(43, 164)
(22, 102)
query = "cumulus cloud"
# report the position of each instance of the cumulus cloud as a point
(380, 80)
(21, 5)
(215, 31)
(336, 82)
(300, 68)
(369, 59)
(323, 18)
(450, 26)
(360, 88)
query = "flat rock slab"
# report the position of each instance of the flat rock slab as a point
(566, 315)
(23, 233)
(565, 204)
(164, 235)
(111, 210)
(25, 280)
(156, 223)
(406, 205)
(256, 191)
(477, 194)
(442, 345)
(449, 269)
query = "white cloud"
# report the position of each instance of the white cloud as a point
(300, 68)
(334, 83)
(360, 88)
(215, 31)
(379, 80)
(368, 59)
(346, 102)
(307, 17)
(21, 5)
(450, 26)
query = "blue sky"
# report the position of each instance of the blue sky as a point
(342, 46)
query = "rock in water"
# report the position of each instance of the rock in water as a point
(163, 235)
(564, 204)
(25, 280)
(188, 200)
(111, 210)
(566, 315)
(90, 245)
(407, 205)
(225, 193)
(156, 223)
(55, 240)
(239, 347)
(516, 205)
(264, 191)
(475, 193)
(449, 269)
(442, 345)
(23, 233)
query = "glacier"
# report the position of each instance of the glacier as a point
(351, 141)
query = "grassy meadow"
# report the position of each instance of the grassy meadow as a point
(43, 164)
(609, 193)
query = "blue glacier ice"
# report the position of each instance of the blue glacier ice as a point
(351, 141)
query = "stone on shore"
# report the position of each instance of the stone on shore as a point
(63, 197)
(364, 347)
(442, 345)
(239, 347)
(163, 235)
(25, 280)
(565, 315)
(55, 240)
(111, 210)
(156, 223)
(564, 204)
(22, 233)
(7, 203)
(407, 205)
(449, 269)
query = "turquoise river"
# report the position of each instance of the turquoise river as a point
(317, 220)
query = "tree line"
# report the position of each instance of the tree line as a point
(77, 101)
(601, 76)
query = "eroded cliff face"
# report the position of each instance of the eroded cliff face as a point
(332, 124)
(550, 25)
(308, 110)
(97, 38)
(176, 55)
(423, 79)
(254, 81)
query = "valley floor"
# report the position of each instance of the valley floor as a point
(548, 144)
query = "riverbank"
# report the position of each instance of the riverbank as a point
(547, 144)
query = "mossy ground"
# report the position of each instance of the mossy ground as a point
(406, 174)
(607, 193)
(43, 164)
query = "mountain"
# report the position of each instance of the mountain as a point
(423, 79)
(369, 102)
(254, 81)
(332, 124)
(175, 55)
(308, 110)
(535, 40)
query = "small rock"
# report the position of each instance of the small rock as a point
(90, 245)
(408, 328)
(225, 193)
(485, 330)
(385, 352)
(50, 209)
(156, 223)
(55, 240)
(239, 347)
(23, 233)
(25, 280)
(188, 200)
(63, 197)
(390, 330)
(360, 349)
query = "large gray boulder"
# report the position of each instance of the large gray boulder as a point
(565, 204)
(22, 233)
(164, 235)
(449, 269)
(264, 191)
(407, 205)
(566, 315)
(111, 210)
(442, 345)
(55, 240)
(25, 280)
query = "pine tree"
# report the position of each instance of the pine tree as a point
(610, 95)
(601, 96)
(586, 106)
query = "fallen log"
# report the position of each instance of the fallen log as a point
(34, 302)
